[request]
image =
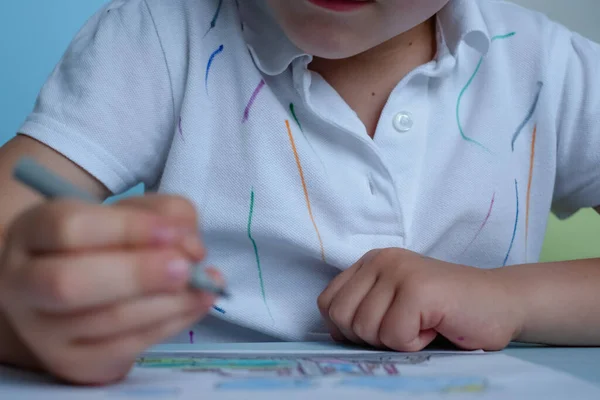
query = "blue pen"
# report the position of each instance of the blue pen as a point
(37, 177)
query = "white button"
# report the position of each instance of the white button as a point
(403, 121)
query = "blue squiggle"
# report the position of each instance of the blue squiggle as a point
(529, 115)
(219, 309)
(209, 64)
(512, 241)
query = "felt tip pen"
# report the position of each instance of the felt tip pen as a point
(37, 177)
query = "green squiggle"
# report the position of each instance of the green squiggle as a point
(464, 90)
(260, 275)
(293, 111)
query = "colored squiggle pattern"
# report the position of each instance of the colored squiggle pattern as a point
(508, 35)
(219, 309)
(209, 64)
(213, 22)
(464, 90)
(252, 100)
(531, 165)
(293, 111)
(255, 247)
(305, 188)
(529, 115)
(484, 223)
(512, 241)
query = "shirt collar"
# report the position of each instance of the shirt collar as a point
(459, 21)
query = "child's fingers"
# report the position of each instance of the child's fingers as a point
(326, 298)
(107, 361)
(339, 281)
(401, 327)
(66, 283)
(173, 207)
(372, 310)
(125, 317)
(345, 303)
(176, 209)
(70, 225)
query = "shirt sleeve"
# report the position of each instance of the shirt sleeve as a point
(577, 183)
(108, 104)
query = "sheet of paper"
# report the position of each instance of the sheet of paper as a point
(360, 375)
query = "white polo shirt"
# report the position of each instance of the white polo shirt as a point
(213, 102)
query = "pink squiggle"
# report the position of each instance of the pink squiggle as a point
(485, 221)
(252, 100)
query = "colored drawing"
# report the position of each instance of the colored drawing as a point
(293, 111)
(529, 115)
(266, 384)
(483, 224)
(252, 100)
(418, 384)
(305, 188)
(213, 22)
(514, 234)
(219, 309)
(144, 392)
(291, 367)
(256, 255)
(531, 164)
(464, 90)
(211, 59)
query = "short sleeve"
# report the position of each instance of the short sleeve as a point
(108, 104)
(577, 183)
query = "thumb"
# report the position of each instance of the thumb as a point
(404, 327)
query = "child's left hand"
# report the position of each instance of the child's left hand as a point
(397, 299)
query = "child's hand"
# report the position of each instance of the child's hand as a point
(89, 287)
(400, 300)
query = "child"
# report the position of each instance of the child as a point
(390, 164)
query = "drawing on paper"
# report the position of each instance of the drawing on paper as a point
(144, 392)
(292, 366)
(379, 372)
(418, 384)
(267, 384)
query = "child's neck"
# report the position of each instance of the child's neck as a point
(366, 80)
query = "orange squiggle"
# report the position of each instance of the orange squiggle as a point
(305, 188)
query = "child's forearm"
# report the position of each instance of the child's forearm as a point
(561, 301)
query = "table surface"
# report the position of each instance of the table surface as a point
(583, 363)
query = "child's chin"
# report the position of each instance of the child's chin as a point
(330, 43)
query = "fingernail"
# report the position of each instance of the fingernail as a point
(216, 275)
(193, 245)
(179, 270)
(165, 235)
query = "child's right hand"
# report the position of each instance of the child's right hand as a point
(87, 288)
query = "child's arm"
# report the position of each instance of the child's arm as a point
(397, 299)
(561, 301)
(14, 199)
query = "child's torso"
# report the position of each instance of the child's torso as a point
(291, 190)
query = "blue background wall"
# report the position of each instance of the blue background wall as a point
(35, 33)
